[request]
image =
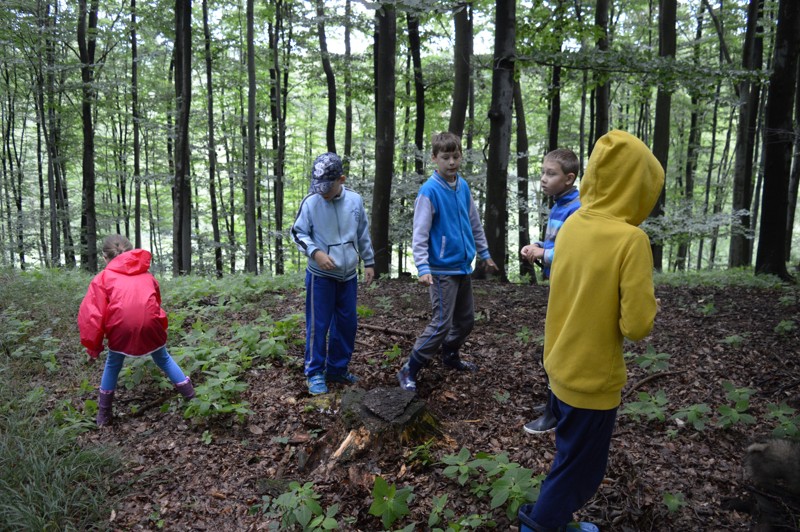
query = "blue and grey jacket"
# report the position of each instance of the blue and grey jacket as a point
(447, 228)
(567, 203)
(338, 227)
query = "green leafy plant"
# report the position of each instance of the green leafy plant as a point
(421, 454)
(389, 503)
(735, 340)
(787, 418)
(650, 407)
(707, 308)
(653, 362)
(439, 512)
(218, 395)
(300, 507)
(364, 312)
(738, 413)
(391, 355)
(785, 327)
(674, 501)
(459, 466)
(695, 415)
(524, 335)
(501, 397)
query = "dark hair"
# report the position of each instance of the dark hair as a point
(446, 141)
(567, 159)
(114, 245)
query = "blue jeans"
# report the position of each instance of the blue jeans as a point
(331, 323)
(583, 439)
(161, 357)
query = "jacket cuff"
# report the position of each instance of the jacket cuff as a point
(423, 269)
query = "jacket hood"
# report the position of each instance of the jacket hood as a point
(623, 178)
(131, 262)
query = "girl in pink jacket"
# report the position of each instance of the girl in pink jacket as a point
(123, 304)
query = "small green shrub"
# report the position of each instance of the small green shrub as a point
(695, 415)
(738, 413)
(299, 507)
(674, 501)
(787, 418)
(650, 407)
(653, 362)
(389, 503)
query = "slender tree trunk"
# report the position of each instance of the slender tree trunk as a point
(419, 92)
(666, 49)
(795, 173)
(524, 233)
(500, 131)
(385, 52)
(778, 143)
(182, 195)
(602, 92)
(462, 61)
(137, 175)
(330, 79)
(348, 88)
(86, 46)
(741, 245)
(251, 264)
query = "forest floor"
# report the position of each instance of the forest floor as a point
(188, 475)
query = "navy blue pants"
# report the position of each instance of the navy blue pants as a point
(583, 439)
(331, 323)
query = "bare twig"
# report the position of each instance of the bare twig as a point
(385, 330)
(649, 378)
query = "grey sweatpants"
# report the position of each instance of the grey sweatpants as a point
(453, 316)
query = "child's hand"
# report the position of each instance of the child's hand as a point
(426, 280)
(531, 252)
(324, 260)
(491, 267)
(369, 275)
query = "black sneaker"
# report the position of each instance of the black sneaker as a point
(453, 361)
(545, 423)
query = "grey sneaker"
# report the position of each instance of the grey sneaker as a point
(406, 381)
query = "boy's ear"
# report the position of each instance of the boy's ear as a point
(571, 178)
(342, 179)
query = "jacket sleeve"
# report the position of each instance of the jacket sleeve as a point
(303, 229)
(90, 317)
(423, 218)
(364, 242)
(481, 245)
(637, 296)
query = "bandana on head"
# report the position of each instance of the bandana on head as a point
(327, 168)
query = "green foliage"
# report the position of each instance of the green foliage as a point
(695, 415)
(364, 312)
(524, 335)
(731, 415)
(674, 501)
(391, 355)
(718, 278)
(421, 454)
(785, 327)
(299, 507)
(650, 407)
(735, 340)
(501, 397)
(49, 481)
(460, 466)
(389, 503)
(708, 308)
(787, 418)
(653, 362)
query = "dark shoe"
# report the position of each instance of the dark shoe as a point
(316, 384)
(105, 411)
(454, 362)
(405, 379)
(186, 389)
(341, 378)
(545, 423)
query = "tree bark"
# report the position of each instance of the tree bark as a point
(462, 61)
(524, 233)
(330, 79)
(86, 47)
(385, 52)
(500, 131)
(251, 264)
(419, 92)
(778, 143)
(212, 148)
(602, 92)
(182, 190)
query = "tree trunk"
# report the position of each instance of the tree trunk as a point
(666, 48)
(137, 174)
(86, 47)
(419, 92)
(778, 143)
(330, 79)
(462, 60)
(250, 178)
(795, 173)
(524, 234)
(602, 92)
(182, 195)
(212, 148)
(348, 88)
(385, 52)
(741, 244)
(500, 131)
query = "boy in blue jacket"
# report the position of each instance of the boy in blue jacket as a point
(331, 229)
(447, 234)
(559, 171)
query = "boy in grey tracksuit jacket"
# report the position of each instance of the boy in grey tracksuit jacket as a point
(332, 230)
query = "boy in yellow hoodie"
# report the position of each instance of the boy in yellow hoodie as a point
(601, 292)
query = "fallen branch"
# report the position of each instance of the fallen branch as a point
(649, 378)
(158, 401)
(386, 330)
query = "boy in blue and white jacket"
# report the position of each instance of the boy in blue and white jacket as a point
(447, 234)
(332, 230)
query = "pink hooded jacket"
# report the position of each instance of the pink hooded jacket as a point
(123, 303)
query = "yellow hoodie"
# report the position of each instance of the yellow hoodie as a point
(602, 281)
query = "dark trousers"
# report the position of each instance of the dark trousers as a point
(583, 439)
(452, 319)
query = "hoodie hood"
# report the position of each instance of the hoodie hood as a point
(627, 184)
(131, 262)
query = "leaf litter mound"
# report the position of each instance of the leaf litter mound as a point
(212, 475)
